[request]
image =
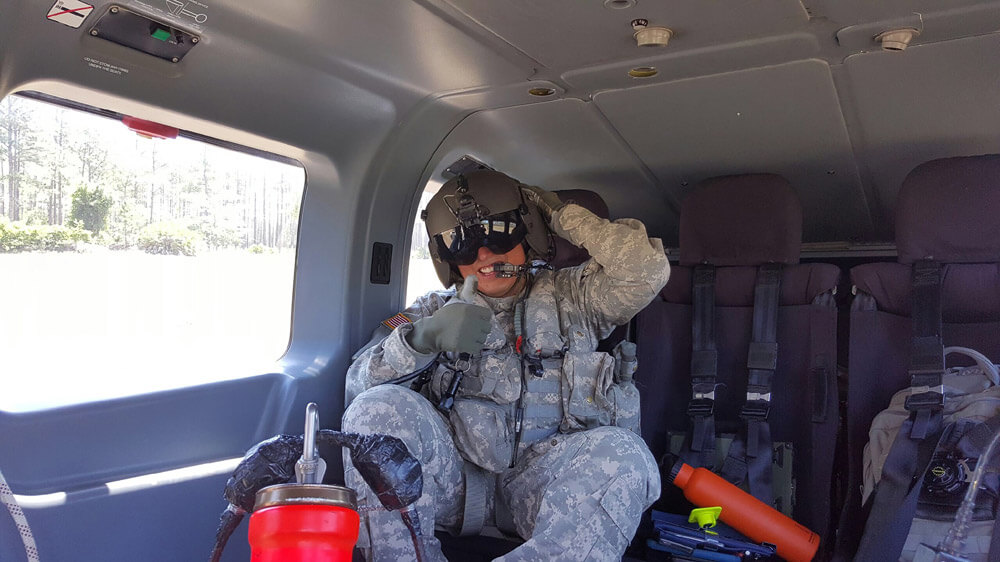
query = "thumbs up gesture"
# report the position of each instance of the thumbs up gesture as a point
(458, 327)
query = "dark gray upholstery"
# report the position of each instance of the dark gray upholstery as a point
(738, 223)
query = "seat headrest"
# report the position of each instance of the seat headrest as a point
(948, 210)
(747, 219)
(566, 254)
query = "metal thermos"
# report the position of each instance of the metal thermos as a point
(304, 523)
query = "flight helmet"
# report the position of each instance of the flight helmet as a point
(481, 208)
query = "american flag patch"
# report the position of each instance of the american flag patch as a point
(396, 321)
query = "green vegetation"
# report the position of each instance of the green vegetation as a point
(168, 238)
(16, 237)
(68, 177)
(90, 208)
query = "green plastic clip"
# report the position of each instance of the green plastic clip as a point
(705, 517)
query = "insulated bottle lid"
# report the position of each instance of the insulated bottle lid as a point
(311, 494)
(675, 470)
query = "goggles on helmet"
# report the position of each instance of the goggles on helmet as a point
(499, 233)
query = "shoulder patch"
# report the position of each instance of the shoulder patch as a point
(396, 321)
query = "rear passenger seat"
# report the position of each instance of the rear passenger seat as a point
(738, 223)
(947, 211)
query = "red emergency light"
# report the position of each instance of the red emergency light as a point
(150, 129)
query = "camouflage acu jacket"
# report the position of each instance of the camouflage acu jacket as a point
(566, 313)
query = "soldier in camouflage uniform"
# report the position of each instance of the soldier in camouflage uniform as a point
(541, 436)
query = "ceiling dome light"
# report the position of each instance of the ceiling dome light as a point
(896, 39)
(646, 36)
(618, 4)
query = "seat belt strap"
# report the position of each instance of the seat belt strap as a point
(762, 359)
(927, 347)
(894, 502)
(895, 499)
(477, 484)
(700, 450)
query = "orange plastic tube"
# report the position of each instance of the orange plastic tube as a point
(746, 513)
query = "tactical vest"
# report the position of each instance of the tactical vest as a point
(567, 385)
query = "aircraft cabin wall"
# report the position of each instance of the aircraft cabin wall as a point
(268, 95)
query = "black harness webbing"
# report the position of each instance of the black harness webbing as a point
(750, 458)
(700, 450)
(895, 499)
(894, 502)
(927, 351)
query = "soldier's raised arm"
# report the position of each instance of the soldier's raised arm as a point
(628, 268)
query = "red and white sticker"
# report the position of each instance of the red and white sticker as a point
(70, 12)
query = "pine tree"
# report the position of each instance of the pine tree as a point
(18, 139)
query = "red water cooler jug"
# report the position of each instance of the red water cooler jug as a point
(304, 523)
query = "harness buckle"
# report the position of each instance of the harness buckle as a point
(925, 398)
(701, 405)
(756, 409)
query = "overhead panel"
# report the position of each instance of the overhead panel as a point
(782, 119)
(930, 101)
(566, 34)
(563, 144)
(405, 43)
(675, 64)
(849, 12)
(927, 27)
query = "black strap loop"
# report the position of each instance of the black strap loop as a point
(755, 451)
(704, 368)
(927, 347)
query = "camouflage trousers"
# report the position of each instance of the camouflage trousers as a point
(576, 496)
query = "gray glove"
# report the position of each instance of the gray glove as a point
(546, 201)
(458, 327)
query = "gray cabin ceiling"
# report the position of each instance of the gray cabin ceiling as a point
(796, 88)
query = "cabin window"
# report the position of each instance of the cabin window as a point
(420, 277)
(133, 264)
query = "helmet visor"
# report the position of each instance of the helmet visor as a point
(498, 233)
